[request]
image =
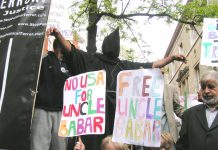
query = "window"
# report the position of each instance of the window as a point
(183, 81)
(185, 87)
(197, 78)
(181, 51)
(193, 35)
(172, 68)
(185, 91)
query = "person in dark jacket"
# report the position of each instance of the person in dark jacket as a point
(49, 102)
(199, 129)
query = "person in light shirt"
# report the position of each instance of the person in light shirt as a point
(199, 129)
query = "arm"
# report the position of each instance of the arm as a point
(166, 140)
(79, 145)
(55, 32)
(165, 61)
(177, 108)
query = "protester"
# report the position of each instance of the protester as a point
(170, 107)
(79, 62)
(49, 102)
(200, 123)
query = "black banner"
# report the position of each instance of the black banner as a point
(22, 30)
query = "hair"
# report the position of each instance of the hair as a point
(118, 146)
(210, 75)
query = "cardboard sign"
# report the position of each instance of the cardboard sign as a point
(138, 107)
(84, 105)
(209, 48)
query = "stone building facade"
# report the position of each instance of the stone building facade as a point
(186, 40)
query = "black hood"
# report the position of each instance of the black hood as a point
(111, 45)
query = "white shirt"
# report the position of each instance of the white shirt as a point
(210, 114)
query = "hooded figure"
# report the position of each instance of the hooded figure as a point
(110, 47)
(79, 62)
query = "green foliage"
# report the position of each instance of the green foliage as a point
(108, 6)
(193, 12)
(197, 10)
(112, 13)
(127, 54)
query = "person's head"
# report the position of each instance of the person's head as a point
(209, 88)
(57, 49)
(111, 45)
(108, 144)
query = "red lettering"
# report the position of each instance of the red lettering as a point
(67, 86)
(145, 85)
(97, 122)
(83, 84)
(76, 111)
(69, 113)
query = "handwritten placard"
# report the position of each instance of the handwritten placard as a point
(138, 107)
(209, 48)
(84, 105)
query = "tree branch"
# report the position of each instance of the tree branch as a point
(125, 8)
(129, 16)
(196, 31)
